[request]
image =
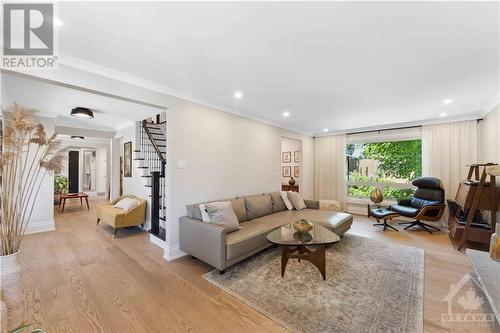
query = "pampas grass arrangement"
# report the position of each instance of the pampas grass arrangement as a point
(27, 156)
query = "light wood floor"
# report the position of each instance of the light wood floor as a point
(81, 280)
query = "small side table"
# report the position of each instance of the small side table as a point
(80, 196)
(382, 213)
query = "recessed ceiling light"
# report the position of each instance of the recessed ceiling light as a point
(448, 101)
(82, 112)
(325, 130)
(77, 137)
(286, 114)
(444, 114)
(57, 22)
(238, 95)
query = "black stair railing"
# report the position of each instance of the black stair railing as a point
(156, 198)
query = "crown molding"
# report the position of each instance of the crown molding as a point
(473, 116)
(109, 73)
(493, 102)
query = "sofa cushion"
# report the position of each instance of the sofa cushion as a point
(238, 204)
(222, 213)
(278, 203)
(240, 209)
(249, 237)
(296, 199)
(338, 222)
(258, 205)
(279, 219)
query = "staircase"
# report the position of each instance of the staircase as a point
(151, 152)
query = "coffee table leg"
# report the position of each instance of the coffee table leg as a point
(317, 258)
(87, 201)
(81, 202)
(284, 259)
(64, 204)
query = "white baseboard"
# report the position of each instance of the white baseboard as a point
(173, 252)
(157, 241)
(40, 226)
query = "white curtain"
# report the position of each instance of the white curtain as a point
(330, 168)
(447, 149)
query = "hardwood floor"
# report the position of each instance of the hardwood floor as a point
(79, 279)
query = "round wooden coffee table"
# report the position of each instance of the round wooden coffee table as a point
(309, 246)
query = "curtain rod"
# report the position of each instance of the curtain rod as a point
(395, 128)
(387, 129)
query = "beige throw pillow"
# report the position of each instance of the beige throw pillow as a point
(127, 204)
(296, 200)
(222, 213)
(288, 203)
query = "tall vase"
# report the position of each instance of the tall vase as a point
(11, 291)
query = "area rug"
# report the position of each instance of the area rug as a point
(370, 286)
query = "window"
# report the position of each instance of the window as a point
(389, 165)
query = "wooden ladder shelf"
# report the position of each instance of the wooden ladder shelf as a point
(473, 195)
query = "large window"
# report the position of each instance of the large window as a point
(390, 165)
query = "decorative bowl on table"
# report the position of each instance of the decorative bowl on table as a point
(302, 225)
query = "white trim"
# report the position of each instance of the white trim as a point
(157, 241)
(491, 105)
(146, 84)
(173, 252)
(40, 226)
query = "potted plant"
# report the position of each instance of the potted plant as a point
(60, 187)
(27, 157)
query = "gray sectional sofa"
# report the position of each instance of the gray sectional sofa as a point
(257, 215)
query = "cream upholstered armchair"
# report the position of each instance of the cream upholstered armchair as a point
(118, 218)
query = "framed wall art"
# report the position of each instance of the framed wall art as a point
(127, 159)
(286, 157)
(296, 156)
(287, 171)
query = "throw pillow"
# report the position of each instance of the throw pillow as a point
(287, 201)
(222, 213)
(126, 204)
(204, 214)
(296, 200)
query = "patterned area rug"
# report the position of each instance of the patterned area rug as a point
(370, 286)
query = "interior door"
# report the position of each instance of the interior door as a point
(73, 167)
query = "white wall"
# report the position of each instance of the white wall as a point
(291, 145)
(489, 136)
(226, 156)
(135, 184)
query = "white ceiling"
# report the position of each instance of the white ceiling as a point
(55, 101)
(336, 65)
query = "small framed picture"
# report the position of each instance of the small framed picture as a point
(296, 156)
(296, 171)
(286, 157)
(287, 171)
(127, 159)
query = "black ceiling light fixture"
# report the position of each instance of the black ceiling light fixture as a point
(77, 137)
(82, 112)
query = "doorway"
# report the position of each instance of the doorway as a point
(73, 171)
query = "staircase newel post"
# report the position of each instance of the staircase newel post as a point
(155, 203)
